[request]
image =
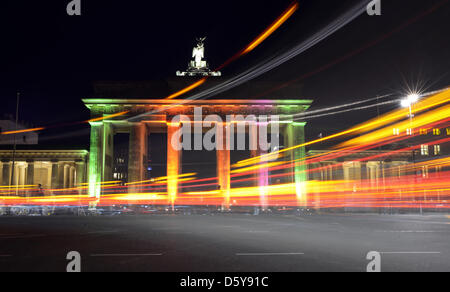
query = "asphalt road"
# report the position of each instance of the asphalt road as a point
(226, 243)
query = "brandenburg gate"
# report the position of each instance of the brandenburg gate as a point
(142, 117)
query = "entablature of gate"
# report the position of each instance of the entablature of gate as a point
(154, 110)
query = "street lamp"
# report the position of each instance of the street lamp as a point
(409, 102)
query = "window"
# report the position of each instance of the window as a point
(423, 131)
(425, 150)
(409, 132)
(437, 149)
(396, 132)
(437, 132)
(448, 131)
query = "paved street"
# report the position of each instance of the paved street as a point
(226, 243)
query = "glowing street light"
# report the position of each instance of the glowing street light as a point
(410, 100)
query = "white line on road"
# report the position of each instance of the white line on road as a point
(102, 232)
(270, 254)
(412, 231)
(22, 236)
(128, 255)
(412, 252)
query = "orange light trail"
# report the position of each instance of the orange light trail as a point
(43, 128)
(107, 117)
(22, 131)
(253, 45)
(269, 31)
(187, 89)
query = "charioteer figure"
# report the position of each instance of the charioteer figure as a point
(199, 66)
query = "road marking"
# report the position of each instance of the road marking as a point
(102, 232)
(426, 222)
(22, 236)
(412, 231)
(412, 252)
(270, 254)
(128, 255)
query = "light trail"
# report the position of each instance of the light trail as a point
(71, 124)
(309, 117)
(310, 112)
(22, 131)
(396, 188)
(187, 89)
(273, 63)
(283, 18)
(357, 51)
(107, 117)
(429, 103)
(253, 45)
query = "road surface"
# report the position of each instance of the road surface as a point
(226, 243)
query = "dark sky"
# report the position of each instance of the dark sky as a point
(54, 59)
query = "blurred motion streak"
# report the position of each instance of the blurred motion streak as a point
(253, 45)
(419, 182)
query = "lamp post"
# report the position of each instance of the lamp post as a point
(409, 102)
(12, 181)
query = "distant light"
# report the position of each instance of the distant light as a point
(413, 98)
(410, 100)
(405, 103)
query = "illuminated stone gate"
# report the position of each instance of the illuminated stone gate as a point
(160, 121)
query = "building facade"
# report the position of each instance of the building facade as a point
(52, 169)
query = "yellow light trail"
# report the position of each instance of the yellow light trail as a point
(418, 122)
(104, 183)
(257, 167)
(429, 103)
(161, 179)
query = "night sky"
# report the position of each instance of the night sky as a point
(54, 59)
